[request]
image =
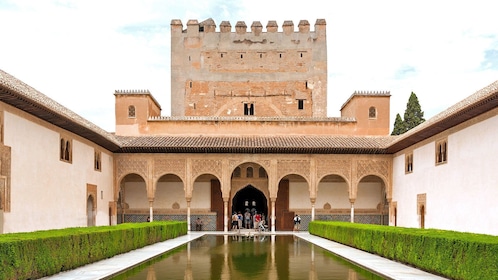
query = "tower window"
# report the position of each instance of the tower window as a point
(372, 113)
(300, 104)
(248, 109)
(131, 111)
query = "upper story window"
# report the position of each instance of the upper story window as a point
(300, 104)
(131, 111)
(262, 173)
(66, 153)
(236, 172)
(97, 161)
(441, 151)
(249, 172)
(409, 163)
(372, 113)
(248, 109)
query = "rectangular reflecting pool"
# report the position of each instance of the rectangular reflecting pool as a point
(248, 257)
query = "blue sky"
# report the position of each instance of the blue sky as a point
(80, 52)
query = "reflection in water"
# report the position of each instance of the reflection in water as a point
(249, 257)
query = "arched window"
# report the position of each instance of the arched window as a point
(236, 172)
(249, 172)
(63, 148)
(67, 153)
(409, 163)
(372, 113)
(131, 111)
(441, 151)
(262, 173)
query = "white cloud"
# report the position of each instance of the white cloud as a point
(79, 52)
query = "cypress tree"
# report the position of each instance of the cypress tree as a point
(399, 126)
(413, 113)
(413, 116)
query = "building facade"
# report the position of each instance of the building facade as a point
(248, 131)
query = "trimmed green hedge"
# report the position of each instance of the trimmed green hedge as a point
(42, 253)
(456, 255)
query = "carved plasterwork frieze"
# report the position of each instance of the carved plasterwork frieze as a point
(170, 166)
(297, 166)
(373, 167)
(336, 166)
(132, 165)
(206, 166)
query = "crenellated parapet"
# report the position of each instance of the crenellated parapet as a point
(194, 28)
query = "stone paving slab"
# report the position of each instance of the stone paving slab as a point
(115, 265)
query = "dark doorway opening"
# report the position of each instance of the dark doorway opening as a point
(250, 198)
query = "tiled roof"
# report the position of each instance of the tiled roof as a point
(22, 96)
(255, 144)
(482, 101)
(26, 98)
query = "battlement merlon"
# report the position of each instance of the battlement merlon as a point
(209, 26)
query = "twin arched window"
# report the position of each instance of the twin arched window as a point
(65, 150)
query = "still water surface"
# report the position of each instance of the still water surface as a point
(242, 257)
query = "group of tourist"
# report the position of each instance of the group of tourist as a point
(250, 219)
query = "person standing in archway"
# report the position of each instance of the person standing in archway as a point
(247, 219)
(235, 221)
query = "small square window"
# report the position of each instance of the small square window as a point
(248, 109)
(300, 104)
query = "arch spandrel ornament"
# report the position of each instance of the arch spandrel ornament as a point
(372, 167)
(297, 166)
(377, 167)
(207, 166)
(131, 165)
(340, 167)
(170, 166)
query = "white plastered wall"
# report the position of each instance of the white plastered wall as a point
(167, 194)
(461, 194)
(47, 193)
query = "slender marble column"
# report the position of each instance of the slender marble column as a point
(189, 226)
(225, 215)
(272, 215)
(151, 211)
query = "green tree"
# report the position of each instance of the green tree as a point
(413, 116)
(399, 126)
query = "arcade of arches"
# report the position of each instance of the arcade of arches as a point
(212, 186)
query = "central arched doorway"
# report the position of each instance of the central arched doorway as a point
(251, 199)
